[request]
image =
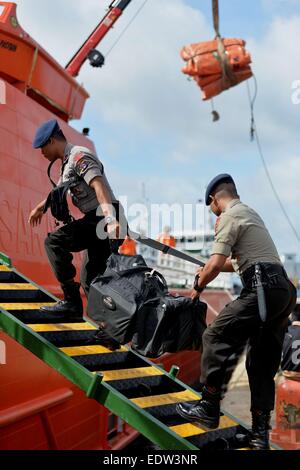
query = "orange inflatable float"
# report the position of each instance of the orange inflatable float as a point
(128, 248)
(217, 65)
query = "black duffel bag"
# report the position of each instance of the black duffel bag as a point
(169, 324)
(130, 302)
(116, 296)
(57, 199)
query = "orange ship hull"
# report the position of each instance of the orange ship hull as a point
(24, 183)
(26, 65)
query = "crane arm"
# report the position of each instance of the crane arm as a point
(115, 10)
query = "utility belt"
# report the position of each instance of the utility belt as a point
(269, 275)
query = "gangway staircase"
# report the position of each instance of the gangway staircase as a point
(130, 386)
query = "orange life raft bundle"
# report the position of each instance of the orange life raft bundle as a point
(217, 65)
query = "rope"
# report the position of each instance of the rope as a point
(252, 102)
(228, 77)
(125, 29)
(227, 74)
(216, 16)
(255, 136)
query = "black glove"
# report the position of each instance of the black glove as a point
(196, 287)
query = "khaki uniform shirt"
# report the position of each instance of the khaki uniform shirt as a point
(79, 161)
(241, 233)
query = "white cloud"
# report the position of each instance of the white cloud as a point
(286, 178)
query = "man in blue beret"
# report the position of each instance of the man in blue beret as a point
(242, 244)
(93, 196)
(45, 132)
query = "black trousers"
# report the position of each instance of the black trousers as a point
(78, 236)
(239, 326)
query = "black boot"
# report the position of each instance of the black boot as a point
(205, 411)
(71, 306)
(259, 437)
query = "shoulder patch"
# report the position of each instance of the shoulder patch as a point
(78, 156)
(82, 166)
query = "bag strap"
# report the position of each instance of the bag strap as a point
(49, 173)
(166, 249)
(68, 183)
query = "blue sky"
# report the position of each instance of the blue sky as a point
(148, 121)
(247, 17)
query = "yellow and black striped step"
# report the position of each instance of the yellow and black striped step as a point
(68, 334)
(62, 327)
(99, 358)
(194, 429)
(229, 435)
(29, 313)
(124, 374)
(24, 306)
(146, 386)
(7, 275)
(5, 269)
(21, 293)
(17, 287)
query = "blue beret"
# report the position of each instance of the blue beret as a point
(224, 178)
(44, 133)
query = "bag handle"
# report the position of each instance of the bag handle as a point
(160, 277)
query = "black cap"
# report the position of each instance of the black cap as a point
(43, 134)
(223, 178)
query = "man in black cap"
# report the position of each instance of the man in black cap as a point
(92, 195)
(242, 244)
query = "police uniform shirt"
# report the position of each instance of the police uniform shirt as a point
(241, 233)
(80, 162)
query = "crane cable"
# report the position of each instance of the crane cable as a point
(255, 136)
(227, 72)
(228, 77)
(254, 133)
(126, 28)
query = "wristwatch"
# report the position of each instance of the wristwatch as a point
(110, 219)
